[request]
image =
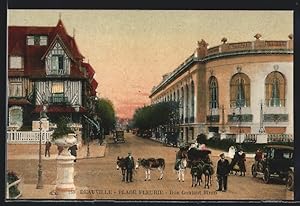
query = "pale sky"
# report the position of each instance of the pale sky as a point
(130, 50)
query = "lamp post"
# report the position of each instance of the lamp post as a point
(40, 170)
(240, 122)
(223, 119)
(88, 145)
(91, 108)
(261, 123)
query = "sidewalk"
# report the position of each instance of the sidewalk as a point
(17, 151)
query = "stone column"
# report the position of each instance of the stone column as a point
(78, 137)
(65, 188)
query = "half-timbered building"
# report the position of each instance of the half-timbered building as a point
(45, 65)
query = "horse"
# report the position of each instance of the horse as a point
(121, 163)
(180, 169)
(151, 163)
(196, 172)
(208, 171)
(181, 163)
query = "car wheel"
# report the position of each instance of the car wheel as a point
(266, 177)
(253, 170)
(290, 181)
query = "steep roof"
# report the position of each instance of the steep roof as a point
(89, 69)
(94, 85)
(33, 55)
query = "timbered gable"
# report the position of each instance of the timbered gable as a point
(57, 61)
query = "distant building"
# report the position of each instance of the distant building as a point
(45, 65)
(223, 88)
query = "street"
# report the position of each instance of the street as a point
(104, 181)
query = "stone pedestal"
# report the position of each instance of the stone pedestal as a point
(65, 188)
(262, 139)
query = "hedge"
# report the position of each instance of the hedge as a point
(224, 144)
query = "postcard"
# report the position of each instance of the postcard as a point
(166, 105)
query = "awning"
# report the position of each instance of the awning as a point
(18, 101)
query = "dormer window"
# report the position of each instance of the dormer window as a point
(16, 62)
(37, 40)
(57, 63)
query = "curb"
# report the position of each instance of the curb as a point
(94, 157)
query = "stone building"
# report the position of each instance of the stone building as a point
(242, 87)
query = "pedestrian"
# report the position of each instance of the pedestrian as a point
(222, 173)
(241, 163)
(129, 167)
(73, 149)
(258, 158)
(47, 148)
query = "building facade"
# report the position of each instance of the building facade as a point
(45, 66)
(243, 87)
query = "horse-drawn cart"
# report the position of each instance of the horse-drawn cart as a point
(119, 136)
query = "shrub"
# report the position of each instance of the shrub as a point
(62, 128)
(248, 147)
(12, 177)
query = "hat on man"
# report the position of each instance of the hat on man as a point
(222, 154)
(129, 153)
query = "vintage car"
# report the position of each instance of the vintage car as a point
(276, 163)
(290, 179)
(119, 136)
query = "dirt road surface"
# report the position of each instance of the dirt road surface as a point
(103, 181)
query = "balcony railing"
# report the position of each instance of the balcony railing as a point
(275, 102)
(58, 100)
(58, 72)
(248, 46)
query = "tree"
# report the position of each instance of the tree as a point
(160, 114)
(104, 110)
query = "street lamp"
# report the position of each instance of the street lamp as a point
(91, 108)
(261, 123)
(237, 118)
(40, 170)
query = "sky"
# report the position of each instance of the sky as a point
(130, 50)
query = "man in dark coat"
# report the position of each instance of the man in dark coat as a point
(129, 167)
(47, 148)
(73, 151)
(222, 173)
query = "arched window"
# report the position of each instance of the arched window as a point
(192, 99)
(187, 102)
(240, 90)
(275, 89)
(15, 116)
(213, 92)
